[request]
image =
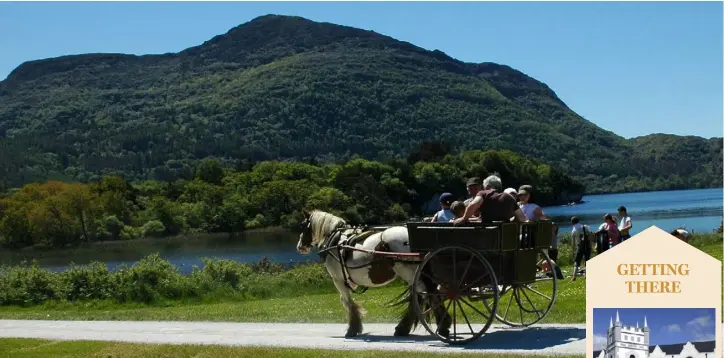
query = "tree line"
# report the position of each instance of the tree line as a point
(218, 199)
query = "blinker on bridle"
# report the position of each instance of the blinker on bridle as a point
(306, 232)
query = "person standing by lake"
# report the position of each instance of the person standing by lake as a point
(625, 225)
(582, 244)
(530, 210)
(611, 229)
(602, 241)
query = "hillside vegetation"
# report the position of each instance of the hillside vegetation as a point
(286, 88)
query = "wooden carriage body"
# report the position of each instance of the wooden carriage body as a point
(512, 249)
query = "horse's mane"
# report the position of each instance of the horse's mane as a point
(322, 224)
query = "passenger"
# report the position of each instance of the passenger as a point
(582, 244)
(458, 209)
(512, 193)
(625, 225)
(445, 214)
(490, 202)
(531, 211)
(474, 185)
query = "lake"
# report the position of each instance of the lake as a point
(696, 210)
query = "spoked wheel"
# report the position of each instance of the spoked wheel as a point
(533, 300)
(448, 284)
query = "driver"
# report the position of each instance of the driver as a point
(490, 203)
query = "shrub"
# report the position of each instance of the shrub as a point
(26, 285)
(130, 233)
(93, 281)
(151, 279)
(109, 228)
(153, 228)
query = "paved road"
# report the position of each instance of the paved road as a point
(542, 339)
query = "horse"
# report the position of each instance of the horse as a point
(349, 268)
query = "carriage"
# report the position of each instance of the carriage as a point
(481, 265)
(461, 277)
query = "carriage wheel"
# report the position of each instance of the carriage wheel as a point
(447, 284)
(533, 300)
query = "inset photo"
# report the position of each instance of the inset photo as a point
(654, 332)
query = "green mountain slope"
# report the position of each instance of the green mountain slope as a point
(283, 87)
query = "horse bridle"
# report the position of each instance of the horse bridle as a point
(306, 233)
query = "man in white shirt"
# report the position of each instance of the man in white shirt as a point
(625, 226)
(579, 237)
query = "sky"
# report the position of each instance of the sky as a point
(667, 325)
(633, 68)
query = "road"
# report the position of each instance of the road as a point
(543, 339)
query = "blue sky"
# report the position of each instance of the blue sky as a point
(667, 325)
(634, 68)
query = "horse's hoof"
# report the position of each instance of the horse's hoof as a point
(401, 333)
(351, 334)
(444, 333)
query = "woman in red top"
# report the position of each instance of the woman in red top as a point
(614, 236)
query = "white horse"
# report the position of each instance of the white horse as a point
(355, 268)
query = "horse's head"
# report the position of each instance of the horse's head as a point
(315, 227)
(305, 238)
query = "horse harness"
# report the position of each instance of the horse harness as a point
(340, 240)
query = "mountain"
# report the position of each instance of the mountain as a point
(281, 87)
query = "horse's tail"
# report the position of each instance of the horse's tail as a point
(405, 298)
(402, 298)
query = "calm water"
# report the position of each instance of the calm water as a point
(696, 210)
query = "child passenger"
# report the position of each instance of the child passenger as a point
(445, 214)
(458, 209)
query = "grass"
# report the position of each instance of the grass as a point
(35, 348)
(315, 308)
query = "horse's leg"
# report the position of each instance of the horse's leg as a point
(442, 317)
(354, 315)
(408, 318)
(345, 296)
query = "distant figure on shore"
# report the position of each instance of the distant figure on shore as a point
(682, 234)
(602, 241)
(611, 229)
(582, 244)
(625, 226)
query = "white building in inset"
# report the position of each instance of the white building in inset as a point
(633, 342)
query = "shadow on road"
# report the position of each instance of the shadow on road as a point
(523, 339)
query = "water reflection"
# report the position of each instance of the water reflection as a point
(184, 251)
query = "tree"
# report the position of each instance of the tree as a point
(210, 171)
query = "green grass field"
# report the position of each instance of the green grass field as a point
(36, 348)
(317, 308)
